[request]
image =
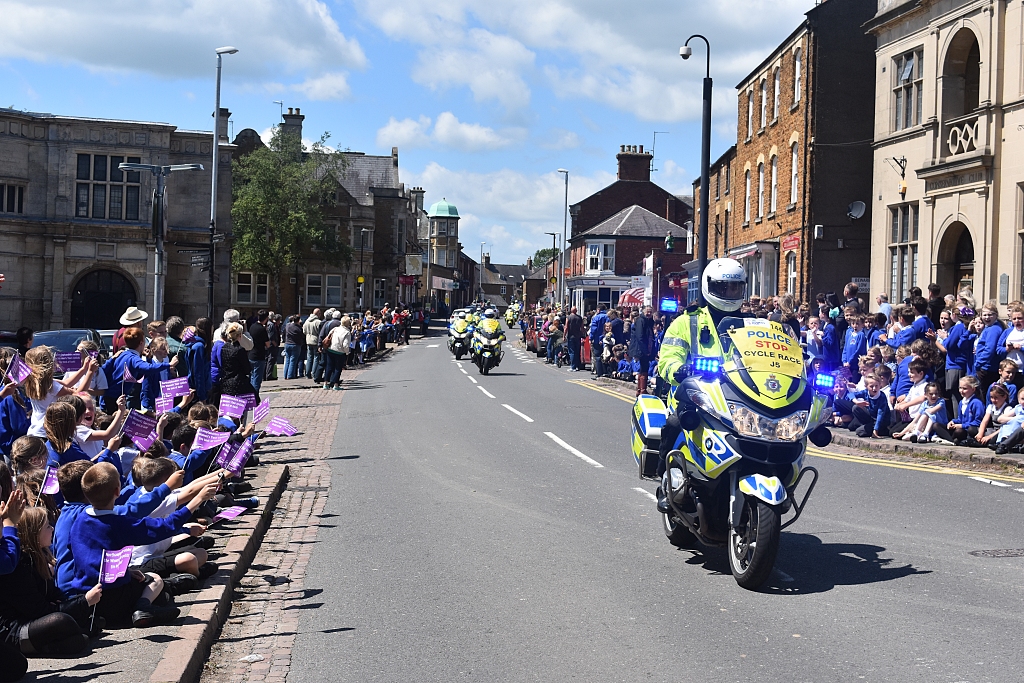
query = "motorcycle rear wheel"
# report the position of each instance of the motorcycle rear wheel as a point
(752, 554)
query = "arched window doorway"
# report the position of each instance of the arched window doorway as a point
(961, 75)
(100, 298)
(955, 263)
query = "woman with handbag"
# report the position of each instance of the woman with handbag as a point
(336, 348)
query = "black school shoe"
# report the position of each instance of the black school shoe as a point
(204, 542)
(207, 570)
(176, 584)
(147, 614)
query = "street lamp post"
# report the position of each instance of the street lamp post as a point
(705, 160)
(159, 219)
(362, 280)
(221, 51)
(554, 248)
(565, 227)
(480, 280)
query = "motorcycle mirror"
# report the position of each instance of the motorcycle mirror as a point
(689, 420)
(820, 437)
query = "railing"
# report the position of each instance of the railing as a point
(962, 135)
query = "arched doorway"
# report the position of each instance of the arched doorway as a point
(99, 298)
(955, 263)
(961, 75)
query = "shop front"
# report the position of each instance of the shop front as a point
(760, 261)
(588, 293)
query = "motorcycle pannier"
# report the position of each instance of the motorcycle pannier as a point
(649, 415)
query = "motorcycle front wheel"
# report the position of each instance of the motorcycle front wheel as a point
(752, 552)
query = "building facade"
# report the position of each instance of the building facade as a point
(782, 200)
(77, 239)
(949, 111)
(449, 276)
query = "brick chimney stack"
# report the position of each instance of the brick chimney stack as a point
(634, 163)
(222, 126)
(529, 262)
(487, 260)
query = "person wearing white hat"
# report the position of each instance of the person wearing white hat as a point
(133, 317)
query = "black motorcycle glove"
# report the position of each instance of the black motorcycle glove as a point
(680, 375)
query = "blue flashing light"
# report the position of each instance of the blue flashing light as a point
(706, 366)
(669, 305)
(824, 382)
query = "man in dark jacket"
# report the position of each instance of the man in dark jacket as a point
(596, 332)
(260, 346)
(641, 346)
(574, 335)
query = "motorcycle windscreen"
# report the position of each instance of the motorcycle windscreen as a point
(763, 359)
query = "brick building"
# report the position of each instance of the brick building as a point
(78, 245)
(608, 259)
(803, 155)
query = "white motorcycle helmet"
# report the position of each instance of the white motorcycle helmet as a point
(490, 313)
(462, 315)
(724, 284)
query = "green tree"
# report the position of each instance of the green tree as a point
(281, 193)
(542, 256)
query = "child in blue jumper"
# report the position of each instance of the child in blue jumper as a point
(100, 528)
(855, 345)
(13, 664)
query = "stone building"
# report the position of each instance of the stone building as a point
(449, 276)
(781, 198)
(949, 111)
(373, 213)
(77, 240)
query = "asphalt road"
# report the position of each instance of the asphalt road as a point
(465, 542)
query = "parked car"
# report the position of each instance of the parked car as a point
(68, 339)
(108, 338)
(536, 337)
(9, 339)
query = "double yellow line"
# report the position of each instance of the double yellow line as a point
(862, 460)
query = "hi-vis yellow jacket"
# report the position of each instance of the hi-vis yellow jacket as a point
(686, 336)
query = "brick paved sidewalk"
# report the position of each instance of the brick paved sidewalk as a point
(256, 641)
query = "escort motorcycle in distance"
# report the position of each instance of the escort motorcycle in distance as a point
(746, 415)
(487, 353)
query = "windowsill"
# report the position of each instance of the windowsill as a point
(794, 106)
(757, 221)
(774, 121)
(745, 224)
(791, 207)
(771, 215)
(760, 131)
(747, 141)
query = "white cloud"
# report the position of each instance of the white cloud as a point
(177, 38)
(405, 133)
(448, 132)
(559, 138)
(619, 54)
(674, 177)
(508, 209)
(330, 86)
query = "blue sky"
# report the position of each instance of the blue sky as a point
(484, 100)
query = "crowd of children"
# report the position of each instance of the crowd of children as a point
(943, 374)
(111, 490)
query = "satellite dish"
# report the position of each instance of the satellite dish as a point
(856, 210)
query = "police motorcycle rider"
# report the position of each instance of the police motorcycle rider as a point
(489, 328)
(723, 284)
(460, 330)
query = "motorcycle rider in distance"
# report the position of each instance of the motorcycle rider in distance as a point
(723, 284)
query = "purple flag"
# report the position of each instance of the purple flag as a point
(138, 426)
(164, 403)
(239, 457)
(128, 376)
(207, 438)
(250, 400)
(228, 513)
(69, 361)
(261, 411)
(188, 335)
(225, 454)
(174, 387)
(144, 442)
(278, 426)
(50, 484)
(18, 370)
(233, 406)
(114, 563)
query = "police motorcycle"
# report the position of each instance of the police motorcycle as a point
(487, 338)
(460, 336)
(745, 414)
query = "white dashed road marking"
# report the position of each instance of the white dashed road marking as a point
(433, 346)
(525, 417)
(487, 393)
(463, 371)
(646, 493)
(572, 450)
(471, 379)
(1000, 484)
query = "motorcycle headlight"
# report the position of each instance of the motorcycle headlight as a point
(703, 401)
(749, 423)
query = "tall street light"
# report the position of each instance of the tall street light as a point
(221, 51)
(160, 223)
(362, 281)
(705, 161)
(565, 227)
(554, 236)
